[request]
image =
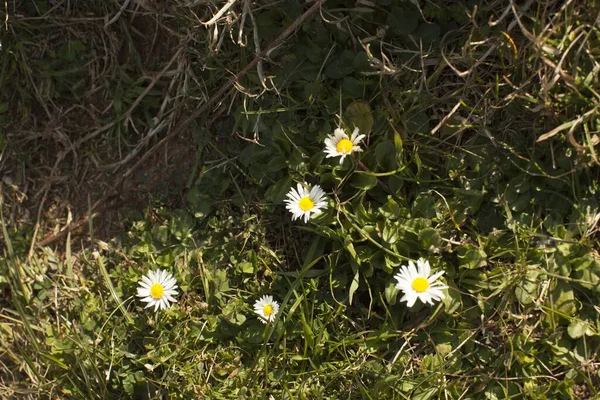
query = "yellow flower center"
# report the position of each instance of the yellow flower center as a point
(420, 284)
(268, 310)
(306, 203)
(344, 146)
(157, 290)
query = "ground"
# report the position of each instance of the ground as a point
(139, 135)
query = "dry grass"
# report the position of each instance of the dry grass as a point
(119, 107)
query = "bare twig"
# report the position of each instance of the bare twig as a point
(571, 125)
(136, 102)
(118, 14)
(446, 118)
(259, 65)
(220, 13)
(493, 47)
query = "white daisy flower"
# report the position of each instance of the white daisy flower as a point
(266, 308)
(339, 144)
(416, 283)
(304, 202)
(157, 289)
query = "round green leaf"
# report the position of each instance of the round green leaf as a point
(352, 87)
(198, 203)
(577, 328)
(472, 259)
(402, 21)
(429, 237)
(361, 61)
(385, 155)
(427, 32)
(564, 298)
(341, 65)
(358, 114)
(362, 180)
(526, 291)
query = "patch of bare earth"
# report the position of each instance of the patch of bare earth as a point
(89, 95)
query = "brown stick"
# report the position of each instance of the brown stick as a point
(100, 204)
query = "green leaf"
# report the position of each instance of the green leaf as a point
(395, 184)
(292, 8)
(312, 89)
(361, 61)
(363, 181)
(392, 262)
(582, 263)
(181, 224)
(564, 298)
(415, 225)
(568, 249)
(70, 50)
(473, 258)
(254, 154)
(424, 206)
(432, 362)
(389, 233)
(198, 203)
(390, 292)
(349, 246)
(166, 259)
(426, 394)
(590, 276)
(359, 114)
(443, 349)
(378, 261)
(160, 234)
(245, 267)
(278, 191)
(453, 300)
(342, 64)
(526, 290)
(402, 21)
(392, 210)
(352, 87)
(521, 202)
(429, 237)
(418, 122)
(427, 32)
(144, 248)
(111, 289)
(385, 155)
(355, 282)
(577, 328)
(314, 251)
(277, 163)
(399, 148)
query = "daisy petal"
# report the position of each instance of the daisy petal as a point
(417, 282)
(157, 298)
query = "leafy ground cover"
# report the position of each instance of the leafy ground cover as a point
(480, 155)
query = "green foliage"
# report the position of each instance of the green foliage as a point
(447, 173)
